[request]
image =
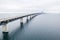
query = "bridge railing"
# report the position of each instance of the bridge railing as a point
(6, 21)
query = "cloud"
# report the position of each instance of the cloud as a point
(29, 5)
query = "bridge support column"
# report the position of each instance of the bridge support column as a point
(30, 17)
(5, 32)
(34, 16)
(21, 22)
(27, 19)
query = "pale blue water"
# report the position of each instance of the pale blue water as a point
(42, 27)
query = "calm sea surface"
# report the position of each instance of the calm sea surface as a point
(42, 27)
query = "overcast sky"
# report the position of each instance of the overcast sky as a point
(28, 6)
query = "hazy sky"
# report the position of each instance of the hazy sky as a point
(28, 6)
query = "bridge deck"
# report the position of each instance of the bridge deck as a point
(42, 27)
(7, 20)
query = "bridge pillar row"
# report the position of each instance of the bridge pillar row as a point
(21, 22)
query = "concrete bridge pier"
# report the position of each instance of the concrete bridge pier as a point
(21, 22)
(30, 17)
(34, 16)
(27, 19)
(5, 32)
